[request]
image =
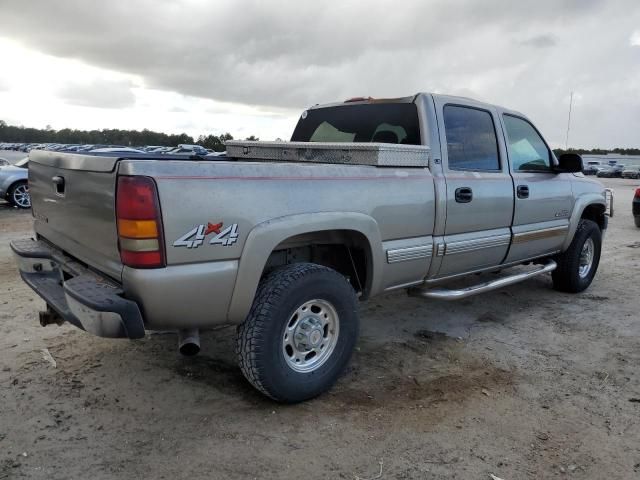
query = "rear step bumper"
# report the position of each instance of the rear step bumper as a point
(86, 300)
(449, 294)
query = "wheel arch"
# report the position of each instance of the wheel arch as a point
(592, 207)
(337, 228)
(10, 182)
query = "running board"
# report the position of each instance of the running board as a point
(447, 294)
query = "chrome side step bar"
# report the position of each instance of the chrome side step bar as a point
(447, 294)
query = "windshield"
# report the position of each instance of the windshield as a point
(371, 122)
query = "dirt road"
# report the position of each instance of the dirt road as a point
(524, 383)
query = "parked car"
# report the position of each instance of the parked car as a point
(591, 168)
(631, 172)
(117, 150)
(635, 207)
(426, 195)
(14, 186)
(194, 149)
(606, 172)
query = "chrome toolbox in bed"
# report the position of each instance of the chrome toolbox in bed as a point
(376, 154)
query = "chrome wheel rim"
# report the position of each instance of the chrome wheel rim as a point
(310, 336)
(586, 258)
(21, 196)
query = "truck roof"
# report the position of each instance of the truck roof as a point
(412, 99)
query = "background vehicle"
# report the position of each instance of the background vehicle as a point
(13, 183)
(608, 172)
(284, 238)
(195, 149)
(117, 150)
(631, 171)
(591, 168)
(635, 207)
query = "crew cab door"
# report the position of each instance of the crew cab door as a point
(543, 198)
(479, 189)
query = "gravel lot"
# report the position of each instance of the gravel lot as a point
(524, 383)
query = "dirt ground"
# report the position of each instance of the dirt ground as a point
(523, 383)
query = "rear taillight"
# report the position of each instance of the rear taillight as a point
(637, 195)
(139, 223)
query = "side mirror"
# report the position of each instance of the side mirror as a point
(569, 163)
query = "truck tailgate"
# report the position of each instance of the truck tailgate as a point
(73, 202)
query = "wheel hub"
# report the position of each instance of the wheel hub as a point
(586, 258)
(310, 335)
(21, 196)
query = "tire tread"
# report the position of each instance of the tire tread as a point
(249, 333)
(565, 277)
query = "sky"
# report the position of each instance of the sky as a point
(250, 67)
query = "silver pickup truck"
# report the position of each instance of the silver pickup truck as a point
(283, 239)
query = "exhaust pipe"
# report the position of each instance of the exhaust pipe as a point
(189, 341)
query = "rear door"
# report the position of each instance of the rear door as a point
(479, 189)
(543, 198)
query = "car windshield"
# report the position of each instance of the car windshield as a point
(371, 122)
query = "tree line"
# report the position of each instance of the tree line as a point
(597, 151)
(113, 136)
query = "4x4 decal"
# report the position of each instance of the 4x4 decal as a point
(195, 237)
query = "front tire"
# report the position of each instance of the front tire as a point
(578, 264)
(300, 332)
(19, 195)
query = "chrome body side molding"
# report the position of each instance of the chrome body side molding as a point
(542, 234)
(465, 246)
(409, 253)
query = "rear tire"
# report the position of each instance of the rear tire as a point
(19, 195)
(578, 264)
(298, 309)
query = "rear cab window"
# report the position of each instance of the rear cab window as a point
(368, 123)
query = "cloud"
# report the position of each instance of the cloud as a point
(292, 54)
(540, 41)
(98, 93)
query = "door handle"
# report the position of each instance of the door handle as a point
(464, 195)
(522, 191)
(58, 181)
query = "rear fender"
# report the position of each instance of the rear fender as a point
(265, 237)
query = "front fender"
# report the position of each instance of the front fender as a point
(6, 182)
(582, 202)
(264, 238)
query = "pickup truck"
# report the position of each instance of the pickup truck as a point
(286, 247)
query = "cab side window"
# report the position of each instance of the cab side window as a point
(527, 150)
(472, 143)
